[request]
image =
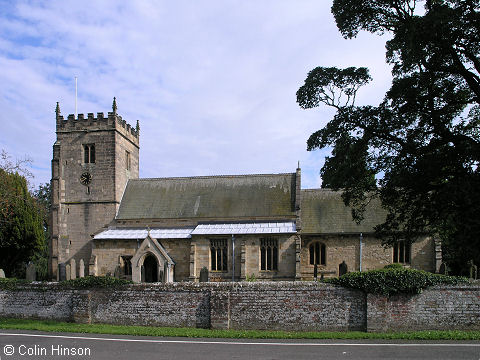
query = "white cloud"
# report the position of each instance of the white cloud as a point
(213, 83)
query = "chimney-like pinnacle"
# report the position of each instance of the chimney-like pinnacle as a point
(57, 109)
(114, 105)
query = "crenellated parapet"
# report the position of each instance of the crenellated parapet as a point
(98, 122)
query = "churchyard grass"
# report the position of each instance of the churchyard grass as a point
(54, 326)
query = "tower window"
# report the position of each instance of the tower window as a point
(89, 153)
(317, 253)
(401, 252)
(269, 254)
(127, 160)
(218, 254)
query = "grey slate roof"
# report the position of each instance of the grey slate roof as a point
(137, 233)
(284, 227)
(323, 212)
(242, 228)
(209, 197)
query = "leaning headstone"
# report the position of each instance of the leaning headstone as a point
(73, 269)
(342, 268)
(2, 274)
(443, 269)
(62, 272)
(204, 274)
(473, 270)
(81, 271)
(68, 271)
(31, 272)
(117, 272)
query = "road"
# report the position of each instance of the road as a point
(16, 344)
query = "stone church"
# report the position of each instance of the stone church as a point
(107, 221)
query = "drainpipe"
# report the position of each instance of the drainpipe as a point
(361, 246)
(233, 258)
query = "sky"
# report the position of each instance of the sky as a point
(212, 82)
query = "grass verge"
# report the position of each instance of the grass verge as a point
(54, 326)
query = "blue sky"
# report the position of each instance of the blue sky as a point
(212, 82)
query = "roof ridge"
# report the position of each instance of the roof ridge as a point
(209, 177)
(320, 189)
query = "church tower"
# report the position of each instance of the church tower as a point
(93, 158)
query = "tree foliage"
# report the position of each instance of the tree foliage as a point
(394, 280)
(21, 231)
(419, 150)
(23, 218)
(42, 197)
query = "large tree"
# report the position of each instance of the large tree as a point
(42, 196)
(419, 150)
(21, 227)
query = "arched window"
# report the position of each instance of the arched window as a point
(127, 265)
(317, 252)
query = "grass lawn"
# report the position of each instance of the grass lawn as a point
(54, 326)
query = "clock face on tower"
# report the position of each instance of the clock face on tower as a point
(86, 178)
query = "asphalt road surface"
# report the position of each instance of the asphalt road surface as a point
(15, 344)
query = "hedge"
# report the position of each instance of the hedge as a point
(95, 282)
(394, 280)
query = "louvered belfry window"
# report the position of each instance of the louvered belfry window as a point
(89, 153)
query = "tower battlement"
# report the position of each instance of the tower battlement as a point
(97, 123)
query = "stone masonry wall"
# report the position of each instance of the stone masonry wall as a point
(438, 308)
(300, 306)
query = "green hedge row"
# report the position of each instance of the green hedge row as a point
(79, 283)
(95, 282)
(11, 283)
(394, 280)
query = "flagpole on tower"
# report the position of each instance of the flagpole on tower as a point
(75, 97)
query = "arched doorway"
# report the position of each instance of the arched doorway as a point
(150, 267)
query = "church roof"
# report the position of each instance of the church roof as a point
(323, 212)
(241, 228)
(142, 233)
(284, 227)
(214, 197)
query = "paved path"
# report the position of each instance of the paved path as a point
(39, 345)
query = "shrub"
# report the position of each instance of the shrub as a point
(95, 282)
(394, 280)
(393, 266)
(11, 283)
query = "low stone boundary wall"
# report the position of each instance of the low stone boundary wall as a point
(437, 308)
(299, 306)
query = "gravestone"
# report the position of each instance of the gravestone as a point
(204, 274)
(92, 268)
(473, 270)
(73, 269)
(68, 271)
(117, 272)
(342, 268)
(81, 271)
(443, 269)
(62, 272)
(31, 272)
(2, 274)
